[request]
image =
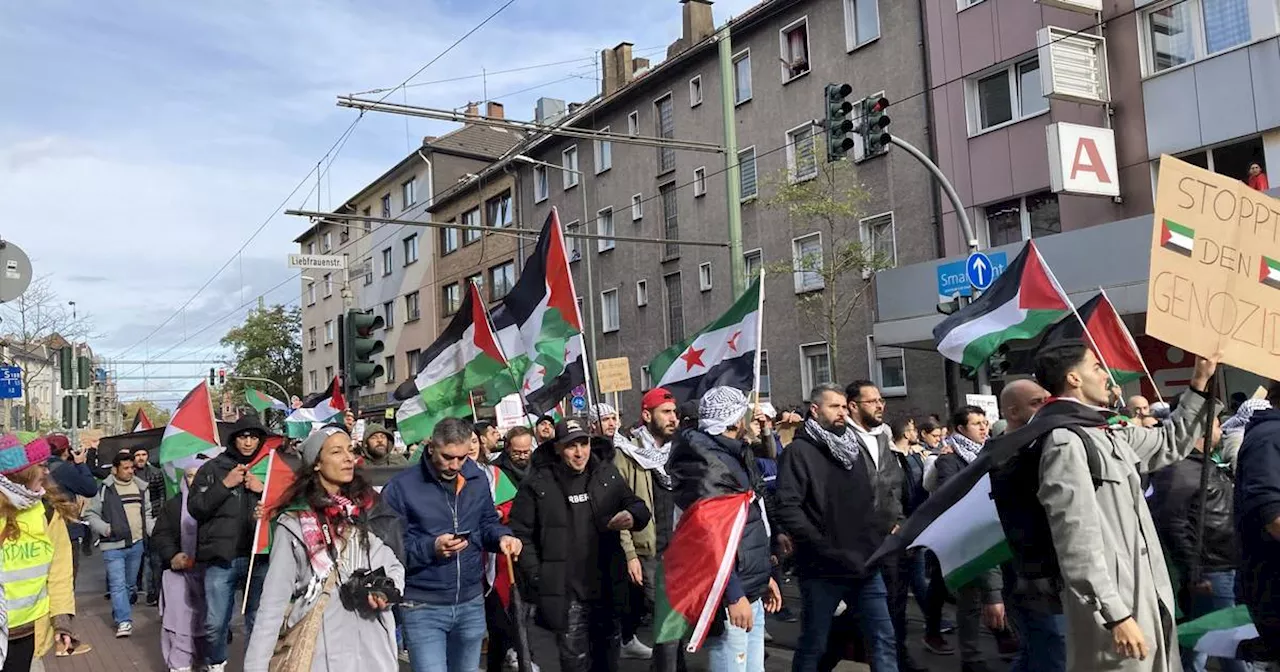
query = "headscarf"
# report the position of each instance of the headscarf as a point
(720, 409)
(845, 446)
(601, 410)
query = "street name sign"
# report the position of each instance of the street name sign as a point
(327, 261)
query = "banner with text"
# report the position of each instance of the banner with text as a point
(1215, 268)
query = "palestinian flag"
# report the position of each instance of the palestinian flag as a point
(723, 353)
(539, 326)
(1227, 633)
(695, 568)
(276, 476)
(191, 432)
(1177, 238)
(141, 422)
(503, 491)
(1108, 336)
(1020, 304)
(261, 402)
(319, 410)
(465, 356)
(1268, 273)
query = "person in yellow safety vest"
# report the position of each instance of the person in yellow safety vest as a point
(36, 572)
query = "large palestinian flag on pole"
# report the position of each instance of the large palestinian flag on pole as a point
(539, 326)
(276, 476)
(1020, 304)
(1107, 335)
(695, 568)
(191, 432)
(141, 422)
(466, 356)
(723, 353)
(321, 409)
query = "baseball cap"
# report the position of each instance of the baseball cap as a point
(655, 398)
(568, 431)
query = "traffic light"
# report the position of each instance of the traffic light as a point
(66, 367)
(68, 412)
(222, 376)
(359, 348)
(839, 125)
(875, 126)
(213, 378)
(82, 411)
(85, 373)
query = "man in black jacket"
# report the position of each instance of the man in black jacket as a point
(710, 461)
(826, 506)
(153, 477)
(567, 515)
(223, 498)
(1257, 519)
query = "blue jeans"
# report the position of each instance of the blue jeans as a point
(122, 572)
(1222, 596)
(867, 598)
(1043, 635)
(738, 650)
(444, 637)
(220, 585)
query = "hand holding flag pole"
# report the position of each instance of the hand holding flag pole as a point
(524, 655)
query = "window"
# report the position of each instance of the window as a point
(806, 259)
(704, 276)
(1183, 31)
(451, 298)
(751, 263)
(633, 123)
(675, 308)
(861, 22)
(1022, 218)
(328, 332)
(815, 365)
(794, 41)
(501, 279)
(311, 248)
(386, 261)
(449, 240)
(472, 218)
(476, 279)
(604, 153)
(327, 243)
(665, 125)
(642, 292)
(699, 182)
(389, 368)
(742, 77)
(609, 310)
(389, 315)
(368, 225)
(879, 241)
(802, 153)
(498, 210)
(386, 206)
(311, 338)
(573, 243)
(410, 249)
(407, 196)
(695, 91)
(541, 186)
(411, 309)
(312, 381)
(888, 368)
(1007, 95)
(328, 285)
(569, 162)
(604, 227)
(368, 271)
(311, 293)
(637, 207)
(328, 373)
(670, 219)
(344, 234)
(411, 362)
(747, 173)
(766, 386)
(646, 381)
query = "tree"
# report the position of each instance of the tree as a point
(840, 273)
(35, 325)
(267, 345)
(157, 415)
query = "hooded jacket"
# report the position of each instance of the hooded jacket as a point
(1257, 503)
(391, 458)
(225, 515)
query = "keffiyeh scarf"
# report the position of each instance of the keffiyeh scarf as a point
(845, 447)
(649, 454)
(20, 496)
(963, 446)
(720, 409)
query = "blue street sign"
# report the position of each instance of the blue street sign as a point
(979, 270)
(10, 382)
(953, 277)
(579, 391)
(579, 403)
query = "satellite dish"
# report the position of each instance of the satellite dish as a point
(15, 271)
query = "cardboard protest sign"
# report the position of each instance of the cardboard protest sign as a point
(613, 375)
(1215, 268)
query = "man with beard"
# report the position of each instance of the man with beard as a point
(824, 504)
(377, 448)
(514, 460)
(489, 436)
(544, 429)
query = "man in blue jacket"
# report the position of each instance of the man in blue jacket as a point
(448, 517)
(1257, 515)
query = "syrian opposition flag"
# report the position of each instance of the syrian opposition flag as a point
(539, 326)
(321, 409)
(723, 353)
(1108, 336)
(276, 476)
(1177, 238)
(141, 422)
(191, 436)
(261, 402)
(1020, 304)
(1268, 273)
(465, 357)
(695, 568)
(1227, 633)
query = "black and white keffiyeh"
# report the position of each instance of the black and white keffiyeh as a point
(964, 446)
(721, 408)
(845, 446)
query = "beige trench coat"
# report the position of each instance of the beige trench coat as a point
(1111, 560)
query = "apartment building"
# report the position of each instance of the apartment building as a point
(646, 296)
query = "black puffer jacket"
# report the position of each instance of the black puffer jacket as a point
(1176, 509)
(224, 515)
(540, 519)
(707, 466)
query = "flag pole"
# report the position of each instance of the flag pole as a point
(1134, 345)
(257, 529)
(759, 343)
(1054, 279)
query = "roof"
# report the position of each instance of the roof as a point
(479, 141)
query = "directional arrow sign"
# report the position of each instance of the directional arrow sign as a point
(980, 270)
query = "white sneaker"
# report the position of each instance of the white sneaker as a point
(511, 663)
(840, 608)
(216, 667)
(636, 650)
(124, 629)
(179, 669)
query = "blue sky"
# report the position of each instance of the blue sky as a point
(141, 143)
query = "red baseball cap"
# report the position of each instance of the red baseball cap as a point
(655, 398)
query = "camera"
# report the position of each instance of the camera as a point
(355, 592)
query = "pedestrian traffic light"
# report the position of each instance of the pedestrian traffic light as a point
(839, 125)
(85, 372)
(67, 367)
(360, 347)
(874, 126)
